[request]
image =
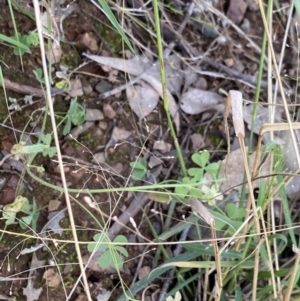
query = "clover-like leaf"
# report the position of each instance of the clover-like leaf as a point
(201, 159)
(212, 169)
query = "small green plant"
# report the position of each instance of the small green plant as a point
(196, 175)
(21, 204)
(111, 257)
(22, 43)
(139, 169)
(21, 149)
(75, 115)
(39, 75)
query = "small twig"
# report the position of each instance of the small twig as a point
(5, 158)
(27, 90)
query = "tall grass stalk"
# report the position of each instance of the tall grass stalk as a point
(57, 144)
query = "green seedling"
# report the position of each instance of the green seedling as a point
(139, 169)
(39, 75)
(196, 175)
(75, 115)
(111, 17)
(22, 43)
(111, 257)
(21, 204)
(21, 149)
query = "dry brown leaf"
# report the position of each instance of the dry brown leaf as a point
(55, 53)
(87, 40)
(196, 101)
(202, 211)
(235, 170)
(139, 66)
(52, 278)
(237, 112)
(76, 88)
(142, 99)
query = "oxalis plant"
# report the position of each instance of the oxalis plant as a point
(111, 256)
(196, 175)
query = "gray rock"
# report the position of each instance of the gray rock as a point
(93, 115)
(103, 86)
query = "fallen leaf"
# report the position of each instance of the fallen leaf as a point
(87, 40)
(142, 99)
(30, 292)
(196, 101)
(139, 66)
(52, 278)
(76, 88)
(109, 112)
(53, 223)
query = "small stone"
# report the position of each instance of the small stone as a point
(103, 86)
(144, 271)
(87, 89)
(79, 130)
(229, 62)
(201, 83)
(162, 146)
(246, 26)
(93, 115)
(197, 142)
(109, 112)
(53, 205)
(154, 161)
(103, 125)
(99, 158)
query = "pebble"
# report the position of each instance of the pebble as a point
(93, 115)
(103, 86)
(99, 158)
(245, 26)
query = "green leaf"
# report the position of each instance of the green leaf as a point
(114, 22)
(61, 85)
(121, 250)
(139, 169)
(105, 261)
(120, 239)
(38, 73)
(46, 139)
(67, 127)
(197, 173)
(49, 151)
(25, 221)
(201, 159)
(212, 169)
(137, 165)
(33, 38)
(40, 169)
(14, 42)
(234, 212)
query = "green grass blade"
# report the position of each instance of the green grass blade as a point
(114, 22)
(154, 275)
(14, 42)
